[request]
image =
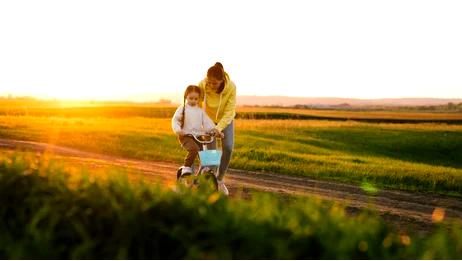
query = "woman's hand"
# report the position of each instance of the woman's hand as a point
(181, 133)
(217, 133)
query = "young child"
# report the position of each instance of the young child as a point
(189, 118)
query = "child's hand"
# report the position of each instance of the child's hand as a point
(181, 133)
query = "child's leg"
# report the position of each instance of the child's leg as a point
(191, 146)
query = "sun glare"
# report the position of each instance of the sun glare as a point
(79, 94)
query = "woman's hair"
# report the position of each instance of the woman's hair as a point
(189, 89)
(217, 72)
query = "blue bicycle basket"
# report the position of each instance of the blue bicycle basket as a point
(210, 157)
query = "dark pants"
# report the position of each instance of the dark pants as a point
(191, 146)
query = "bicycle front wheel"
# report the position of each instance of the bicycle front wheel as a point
(210, 180)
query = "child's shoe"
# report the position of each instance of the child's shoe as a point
(185, 170)
(222, 188)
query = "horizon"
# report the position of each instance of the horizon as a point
(139, 50)
(257, 100)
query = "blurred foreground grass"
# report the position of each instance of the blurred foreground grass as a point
(47, 213)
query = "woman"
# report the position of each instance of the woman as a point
(220, 104)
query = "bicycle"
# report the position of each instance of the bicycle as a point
(209, 163)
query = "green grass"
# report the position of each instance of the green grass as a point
(45, 216)
(408, 156)
(423, 157)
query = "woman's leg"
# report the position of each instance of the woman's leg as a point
(228, 146)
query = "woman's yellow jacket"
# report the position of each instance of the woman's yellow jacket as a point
(221, 108)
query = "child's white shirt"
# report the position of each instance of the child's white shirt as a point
(196, 120)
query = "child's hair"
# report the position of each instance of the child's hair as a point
(189, 89)
(218, 72)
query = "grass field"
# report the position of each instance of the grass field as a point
(48, 212)
(417, 156)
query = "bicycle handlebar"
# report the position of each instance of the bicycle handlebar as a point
(212, 138)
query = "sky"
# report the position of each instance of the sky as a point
(145, 50)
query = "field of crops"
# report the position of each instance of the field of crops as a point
(120, 110)
(417, 156)
(352, 114)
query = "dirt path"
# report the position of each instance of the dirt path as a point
(401, 207)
